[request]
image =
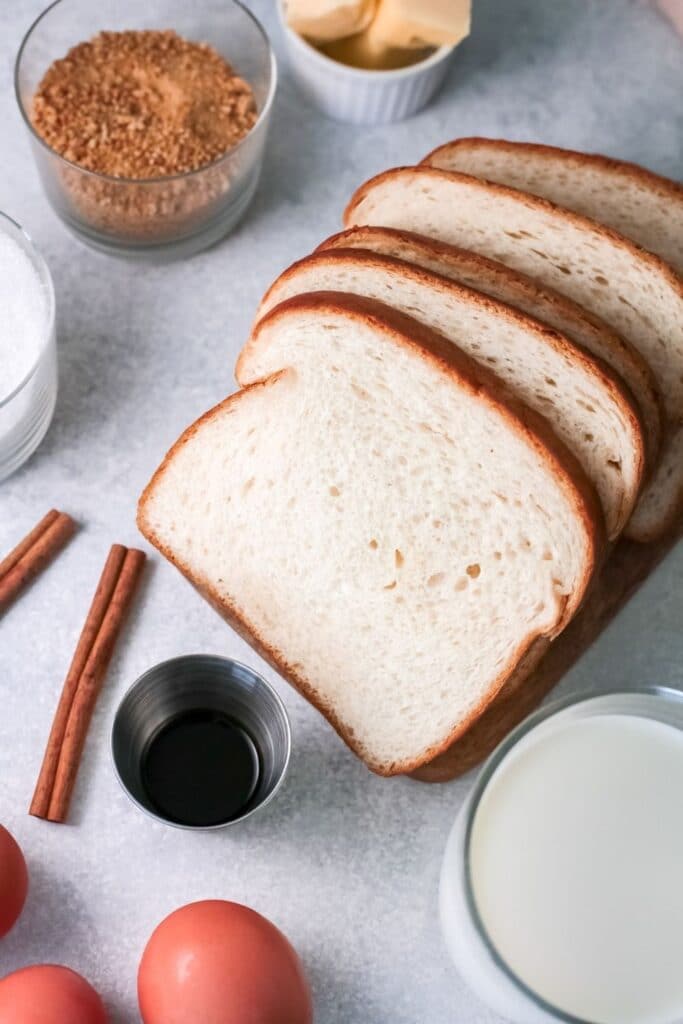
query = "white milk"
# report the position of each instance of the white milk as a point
(576, 866)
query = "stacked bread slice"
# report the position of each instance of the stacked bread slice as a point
(446, 413)
(634, 291)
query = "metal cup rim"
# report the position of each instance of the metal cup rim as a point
(222, 659)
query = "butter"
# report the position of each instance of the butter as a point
(379, 35)
(322, 21)
(421, 23)
(364, 50)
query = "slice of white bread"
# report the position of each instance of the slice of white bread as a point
(516, 289)
(386, 530)
(582, 400)
(635, 202)
(632, 290)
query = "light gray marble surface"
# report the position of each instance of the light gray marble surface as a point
(345, 863)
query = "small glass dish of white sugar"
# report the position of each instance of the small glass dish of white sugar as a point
(28, 352)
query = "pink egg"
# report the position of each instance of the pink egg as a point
(216, 962)
(13, 881)
(48, 994)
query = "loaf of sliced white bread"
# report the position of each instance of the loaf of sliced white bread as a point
(583, 401)
(379, 521)
(397, 510)
(634, 291)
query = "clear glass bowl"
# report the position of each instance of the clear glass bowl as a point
(26, 412)
(468, 942)
(162, 217)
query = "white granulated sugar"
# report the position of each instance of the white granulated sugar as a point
(23, 314)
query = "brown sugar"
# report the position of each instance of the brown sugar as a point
(163, 123)
(142, 104)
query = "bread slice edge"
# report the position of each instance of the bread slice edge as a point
(629, 365)
(621, 173)
(493, 188)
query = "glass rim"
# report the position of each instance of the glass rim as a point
(100, 175)
(492, 764)
(12, 228)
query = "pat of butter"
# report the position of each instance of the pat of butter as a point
(324, 20)
(421, 23)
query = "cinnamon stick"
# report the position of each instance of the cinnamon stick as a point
(90, 683)
(29, 540)
(40, 804)
(33, 553)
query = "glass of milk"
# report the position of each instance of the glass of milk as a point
(28, 355)
(561, 895)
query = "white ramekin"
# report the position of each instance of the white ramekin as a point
(363, 97)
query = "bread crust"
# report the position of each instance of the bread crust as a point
(647, 398)
(531, 201)
(401, 330)
(667, 189)
(629, 249)
(591, 365)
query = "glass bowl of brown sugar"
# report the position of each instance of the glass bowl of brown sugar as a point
(147, 120)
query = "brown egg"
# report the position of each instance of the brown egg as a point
(49, 994)
(13, 881)
(221, 963)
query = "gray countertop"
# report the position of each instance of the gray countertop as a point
(345, 863)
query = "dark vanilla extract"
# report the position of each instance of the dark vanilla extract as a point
(201, 768)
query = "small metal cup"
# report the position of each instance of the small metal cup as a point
(207, 682)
